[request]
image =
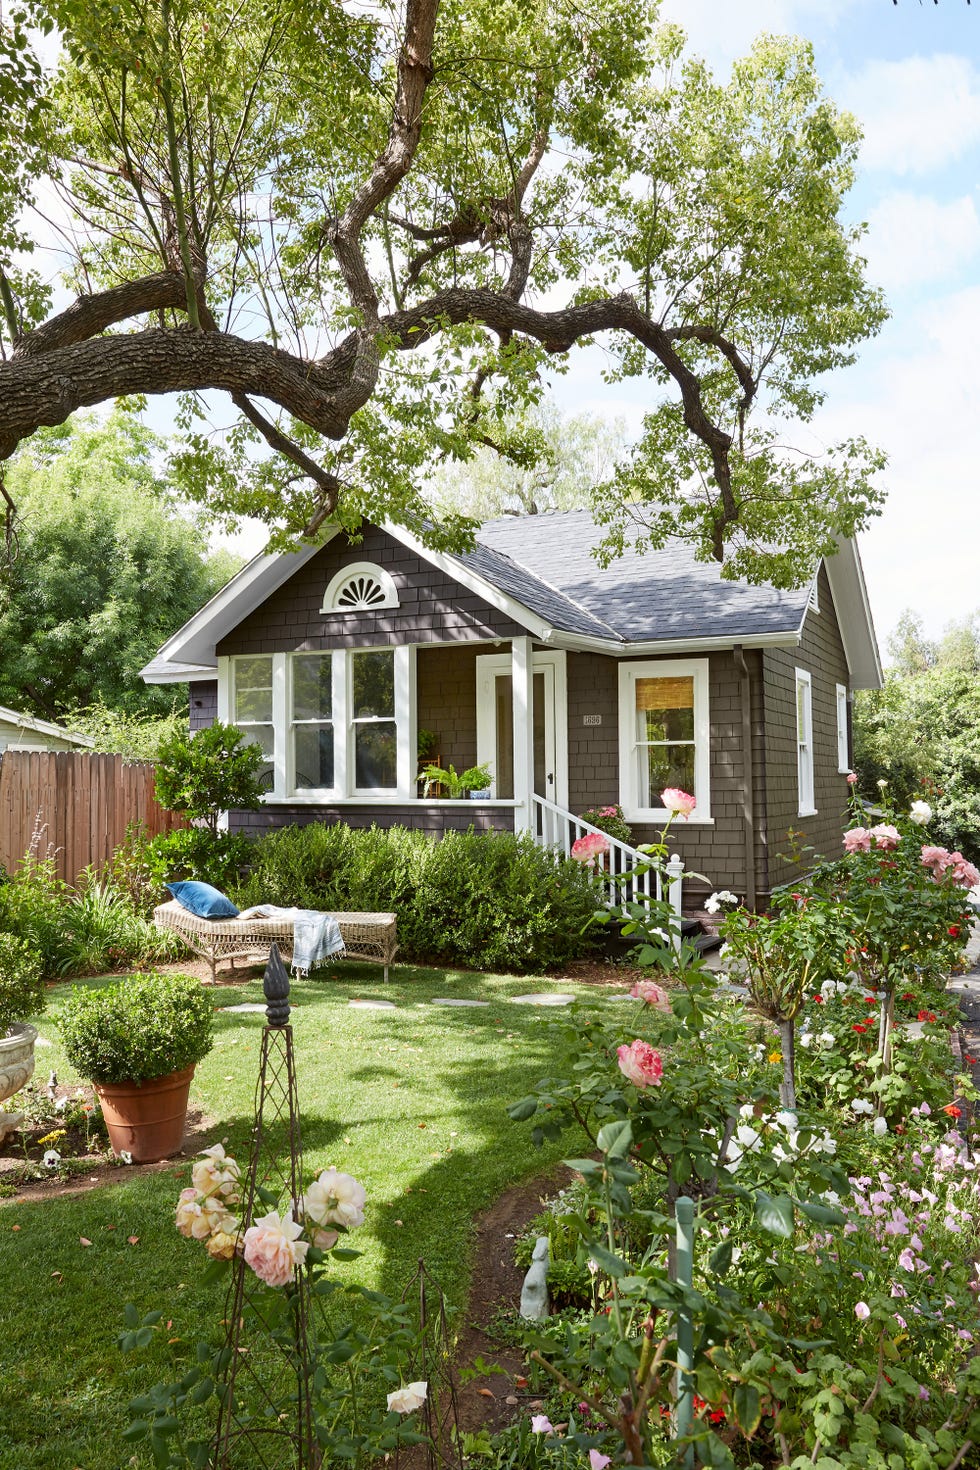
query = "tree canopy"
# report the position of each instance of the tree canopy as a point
(376, 228)
(102, 571)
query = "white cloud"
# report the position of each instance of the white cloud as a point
(722, 30)
(914, 239)
(918, 114)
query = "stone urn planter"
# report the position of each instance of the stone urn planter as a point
(16, 1059)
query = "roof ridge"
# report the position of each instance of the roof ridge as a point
(559, 592)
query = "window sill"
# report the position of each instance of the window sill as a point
(659, 818)
(388, 798)
(809, 811)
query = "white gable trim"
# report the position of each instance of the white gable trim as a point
(850, 594)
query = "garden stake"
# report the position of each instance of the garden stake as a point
(284, 1440)
(684, 1217)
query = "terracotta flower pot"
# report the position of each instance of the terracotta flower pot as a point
(146, 1119)
(16, 1059)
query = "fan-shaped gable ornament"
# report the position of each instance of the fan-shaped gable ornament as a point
(361, 587)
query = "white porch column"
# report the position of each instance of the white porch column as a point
(522, 676)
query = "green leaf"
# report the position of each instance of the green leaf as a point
(138, 1429)
(820, 1214)
(607, 1261)
(616, 1139)
(748, 1408)
(521, 1111)
(720, 1259)
(775, 1213)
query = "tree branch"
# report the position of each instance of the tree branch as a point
(89, 315)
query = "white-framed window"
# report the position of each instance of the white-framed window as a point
(843, 753)
(338, 724)
(361, 586)
(804, 742)
(664, 736)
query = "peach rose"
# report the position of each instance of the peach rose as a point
(221, 1247)
(680, 803)
(886, 836)
(334, 1199)
(651, 994)
(273, 1249)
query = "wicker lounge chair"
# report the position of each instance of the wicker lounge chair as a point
(365, 936)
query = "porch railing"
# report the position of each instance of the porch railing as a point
(552, 826)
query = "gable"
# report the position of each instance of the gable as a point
(433, 607)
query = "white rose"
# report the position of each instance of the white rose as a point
(879, 1126)
(826, 1039)
(805, 1038)
(335, 1199)
(748, 1138)
(861, 1105)
(406, 1400)
(920, 813)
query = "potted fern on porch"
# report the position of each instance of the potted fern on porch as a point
(138, 1043)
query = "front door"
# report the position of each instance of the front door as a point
(495, 724)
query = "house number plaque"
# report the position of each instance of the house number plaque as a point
(591, 719)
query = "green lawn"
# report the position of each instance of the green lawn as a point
(411, 1101)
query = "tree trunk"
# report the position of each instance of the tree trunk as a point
(787, 1088)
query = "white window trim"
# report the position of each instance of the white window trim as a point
(804, 768)
(490, 664)
(843, 764)
(664, 669)
(343, 790)
(359, 569)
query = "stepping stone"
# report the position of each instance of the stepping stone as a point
(442, 1001)
(542, 1000)
(373, 1005)
(248, 1006)
(624, 996)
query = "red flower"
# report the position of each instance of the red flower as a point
(954, 930)
(909, 995)
(953, 1110)
(922, 1015)
(869, 1000)
(970, 1061)
(862, 1029)
(818, 999)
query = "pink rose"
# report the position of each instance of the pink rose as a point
(273, 1250)
(964, 873)
(678, 802)
(598, 1461)
(858, 839)
(640, 1064)
(851, 778)
(651, 995)
(589, 847)
(862, 1311)
(886, 836)
(938, 859)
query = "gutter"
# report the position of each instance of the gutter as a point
(748, 774)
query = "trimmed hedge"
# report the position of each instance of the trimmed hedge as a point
(484, 900)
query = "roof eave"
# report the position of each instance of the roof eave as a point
(850, 593)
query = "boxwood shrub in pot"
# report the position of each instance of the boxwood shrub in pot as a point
(138, 1042)
(21, 995)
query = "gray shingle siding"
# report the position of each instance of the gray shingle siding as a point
(204, 704)
(430, 818)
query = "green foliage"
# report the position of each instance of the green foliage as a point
(605, 157)
(137, 736)
(486, 900)
(105, 571)
(610, 819)
(146, 1026)
(197, 852)
(21, 987)
(456, 783)
(205, 774)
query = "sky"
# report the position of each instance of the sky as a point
(910, 72)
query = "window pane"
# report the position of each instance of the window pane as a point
(504, 714)
(376, 756)
(665, 709)
(313, 754)
(661, 766)
(373, 685)
(264, 737)
(253, 690)
(802, 733)
(312, 687)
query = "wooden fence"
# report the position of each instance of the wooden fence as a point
(79, 804)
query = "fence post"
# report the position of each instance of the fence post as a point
(675, 872)
(684, 1220)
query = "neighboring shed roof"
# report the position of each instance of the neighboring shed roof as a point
(26, 730)
(665, 594)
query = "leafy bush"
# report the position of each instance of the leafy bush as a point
(610, 819)
(146, 1026)
(21, 988)
(488, 901)
(214, 771)
(33, 901)
(197, 852)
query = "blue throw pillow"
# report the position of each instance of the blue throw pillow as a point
(203, 900)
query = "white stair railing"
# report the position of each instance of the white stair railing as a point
(552, 826)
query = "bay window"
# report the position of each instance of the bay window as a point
(663, 736)
(333, 725)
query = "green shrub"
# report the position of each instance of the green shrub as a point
(146, 1026)
(104, 931)
(21, 987)
(197, 852)
(214, 771)
(488, 901)
(33, 905)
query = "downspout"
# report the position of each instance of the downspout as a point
(748, 775)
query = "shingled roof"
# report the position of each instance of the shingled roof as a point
(546, 563)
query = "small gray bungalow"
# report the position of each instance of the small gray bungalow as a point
(577, 686)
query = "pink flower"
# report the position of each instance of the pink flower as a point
(597, 1461)
(886, 836)
(680, 803)
(273, 1250)
(651, 994)
(936, 858)
(862, 1311)
(906, 1260)
(541, 1424)
(640, 1064)
(589, 847)
(964, 873)
(851, 778)
(858, 839)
